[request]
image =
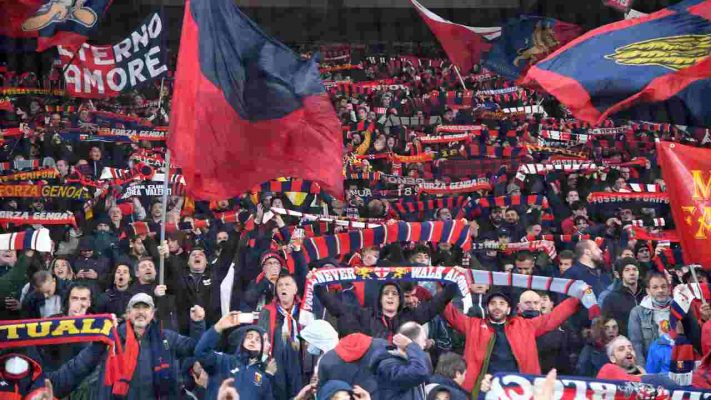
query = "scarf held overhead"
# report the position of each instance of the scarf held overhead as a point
(38, 240)
(325, 276)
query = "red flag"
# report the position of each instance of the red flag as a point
(687, 173)
(247, 109)
(463, 44)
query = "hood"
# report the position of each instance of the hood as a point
(237, 337)
(353, 347)
(34, 367)
(331, 387)
(433, 388)
(326, 262)
(321, 335)
(399, 292)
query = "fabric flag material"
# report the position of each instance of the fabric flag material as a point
(663, 59)
(526, 40)
(687, 172)
(247, 109)
(463, 44)
(50, 23)
(107, 70)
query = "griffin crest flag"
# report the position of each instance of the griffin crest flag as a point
(247, 109)
(687, 172)
(526, 40)
(663, 58)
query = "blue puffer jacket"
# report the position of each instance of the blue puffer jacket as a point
(251, 381)
(399, 377)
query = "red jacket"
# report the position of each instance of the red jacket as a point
(519, 331)
(614, 373)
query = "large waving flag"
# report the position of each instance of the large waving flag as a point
(687, 172)
(50, 22)
(463, 44)
(247, 109)
(663, 57)
(526, 40)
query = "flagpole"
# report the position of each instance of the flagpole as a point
(160, 96)
(460, 77)
(164, 207)
(692, 269)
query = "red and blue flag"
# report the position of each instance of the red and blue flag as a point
(526, 40)
(247, 109)
(663, 59)
(42, 24)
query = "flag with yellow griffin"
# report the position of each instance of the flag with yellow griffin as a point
(656, 67)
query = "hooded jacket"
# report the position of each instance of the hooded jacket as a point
(519, 332)
(332, 387)
(401, 377)
(16, 387)
(372, 322)
(251, 380)
(349, 361)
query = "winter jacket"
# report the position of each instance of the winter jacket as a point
(11, 283)
(190, 290)
(591, 360)
(455, 391)
(558, 349)
(659, 357)
(598, 279)
(400, 377)
(642, 329)
(178, 347)
(613, 372)
(619, 303)
(350, 362)
(251, 381)
(372, 322)
(519, 331)
(114, 301)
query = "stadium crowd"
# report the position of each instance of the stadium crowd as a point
(540, 193)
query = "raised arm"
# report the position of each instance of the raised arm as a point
(561, 312)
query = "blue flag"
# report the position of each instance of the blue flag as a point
(661, 60)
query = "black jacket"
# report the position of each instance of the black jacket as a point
(619, 303)
(373, 323)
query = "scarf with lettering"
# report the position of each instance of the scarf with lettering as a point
(43, 173)
(469, 186)
(545, 246)
(506, 385)
(641, 233)
(617, 197)
(554, 150)
(61, 330)
(42, 218)
(326, 276)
